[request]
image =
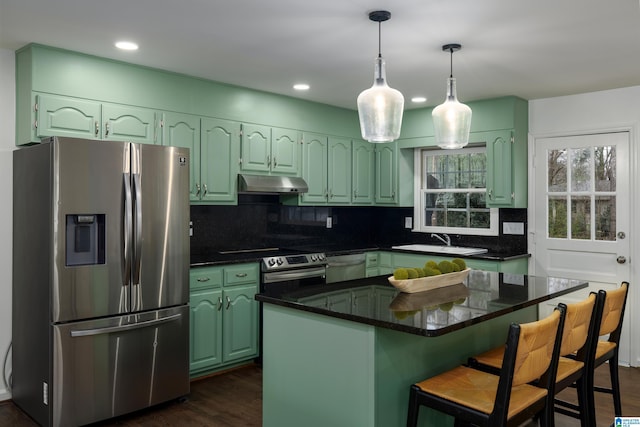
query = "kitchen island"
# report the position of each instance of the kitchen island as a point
(345, 354)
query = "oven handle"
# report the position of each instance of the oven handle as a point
(281, 276)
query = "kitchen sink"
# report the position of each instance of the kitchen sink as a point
(449, 250)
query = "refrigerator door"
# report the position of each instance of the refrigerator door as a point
(160, 270)
(108, 367)
(90, 268)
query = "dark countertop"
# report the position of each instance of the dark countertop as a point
(212, 258)
(483, 295)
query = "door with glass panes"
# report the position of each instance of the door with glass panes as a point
(582, 213)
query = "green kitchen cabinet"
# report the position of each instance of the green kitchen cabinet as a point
(269, 150)
(219, 157)
(215, 149)
(314, 167)
(386, 171)
(362, 172)
(500, 191)
(339, 171)
(326, 167)
(371, 264)
(224, 316)
(79, 118)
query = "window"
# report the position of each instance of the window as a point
(450, 192)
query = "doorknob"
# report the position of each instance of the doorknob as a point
(621, 259)
(621, 235)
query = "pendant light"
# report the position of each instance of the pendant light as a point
(380, 107)
(451, 119)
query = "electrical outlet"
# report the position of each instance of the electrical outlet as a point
(190, 228)
(408, 222)
(329, 222)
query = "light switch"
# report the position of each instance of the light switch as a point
(408, 222)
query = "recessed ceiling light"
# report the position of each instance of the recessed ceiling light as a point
(301, 86)
(124, 45)
(418, 99)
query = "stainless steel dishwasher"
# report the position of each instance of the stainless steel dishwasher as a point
(345, 267)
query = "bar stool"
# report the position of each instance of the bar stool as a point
(579, 338)
(607, 348)
(472, 396)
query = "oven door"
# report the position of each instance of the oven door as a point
(291, 280)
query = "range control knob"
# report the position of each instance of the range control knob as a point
(279, 261)
(271, 262)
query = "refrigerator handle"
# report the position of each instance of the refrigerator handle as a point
(126, 240)
(122, 328)
(137, 250)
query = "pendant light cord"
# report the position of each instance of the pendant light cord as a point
(451, 63)
(379, 39)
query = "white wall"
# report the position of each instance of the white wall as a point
(600, 111)
(7, 143)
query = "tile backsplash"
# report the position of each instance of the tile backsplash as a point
(260, 221)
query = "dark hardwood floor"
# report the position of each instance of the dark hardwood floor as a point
(235, 399)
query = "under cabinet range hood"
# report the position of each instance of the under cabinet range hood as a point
(271, 184)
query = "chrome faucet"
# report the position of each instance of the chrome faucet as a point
(446, 239)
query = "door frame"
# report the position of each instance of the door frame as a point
(632, 316)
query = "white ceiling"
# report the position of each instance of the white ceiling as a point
(534, 49)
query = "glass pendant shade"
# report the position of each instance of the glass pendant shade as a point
(380, 108)
(452, 120)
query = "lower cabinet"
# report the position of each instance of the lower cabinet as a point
(224, 316)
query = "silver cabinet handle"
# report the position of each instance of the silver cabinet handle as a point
(109, 329)
(275, 162)
(269, 161)
(203, 279)
(219, 303)
(97, 128)
(204, 193)
(106, 129)
(228, 302)
(241, 274)
(197, 190)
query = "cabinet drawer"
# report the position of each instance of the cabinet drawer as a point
(205, 277)
(372, 259)
(241, 274)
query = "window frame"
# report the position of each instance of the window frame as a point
(419, 197)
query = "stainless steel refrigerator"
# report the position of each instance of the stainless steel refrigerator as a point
(100, 278)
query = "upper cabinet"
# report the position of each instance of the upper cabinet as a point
(215, 150)
(386, 173)
(270, 150)
(326, 167)
(362, 172)
(55, 115)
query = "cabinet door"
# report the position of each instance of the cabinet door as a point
(363, 166)
(123, 123)
(256, 148)
(205, 329)
(314, 167)
(339, 171)
(183, 130)
(285, 152)
(240, 320)
(219, 157)
(500, 171)
(386, 181)
(62, 116)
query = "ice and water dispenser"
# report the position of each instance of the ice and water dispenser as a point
(85, 239)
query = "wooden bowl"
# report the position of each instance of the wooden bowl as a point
(432, 282)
